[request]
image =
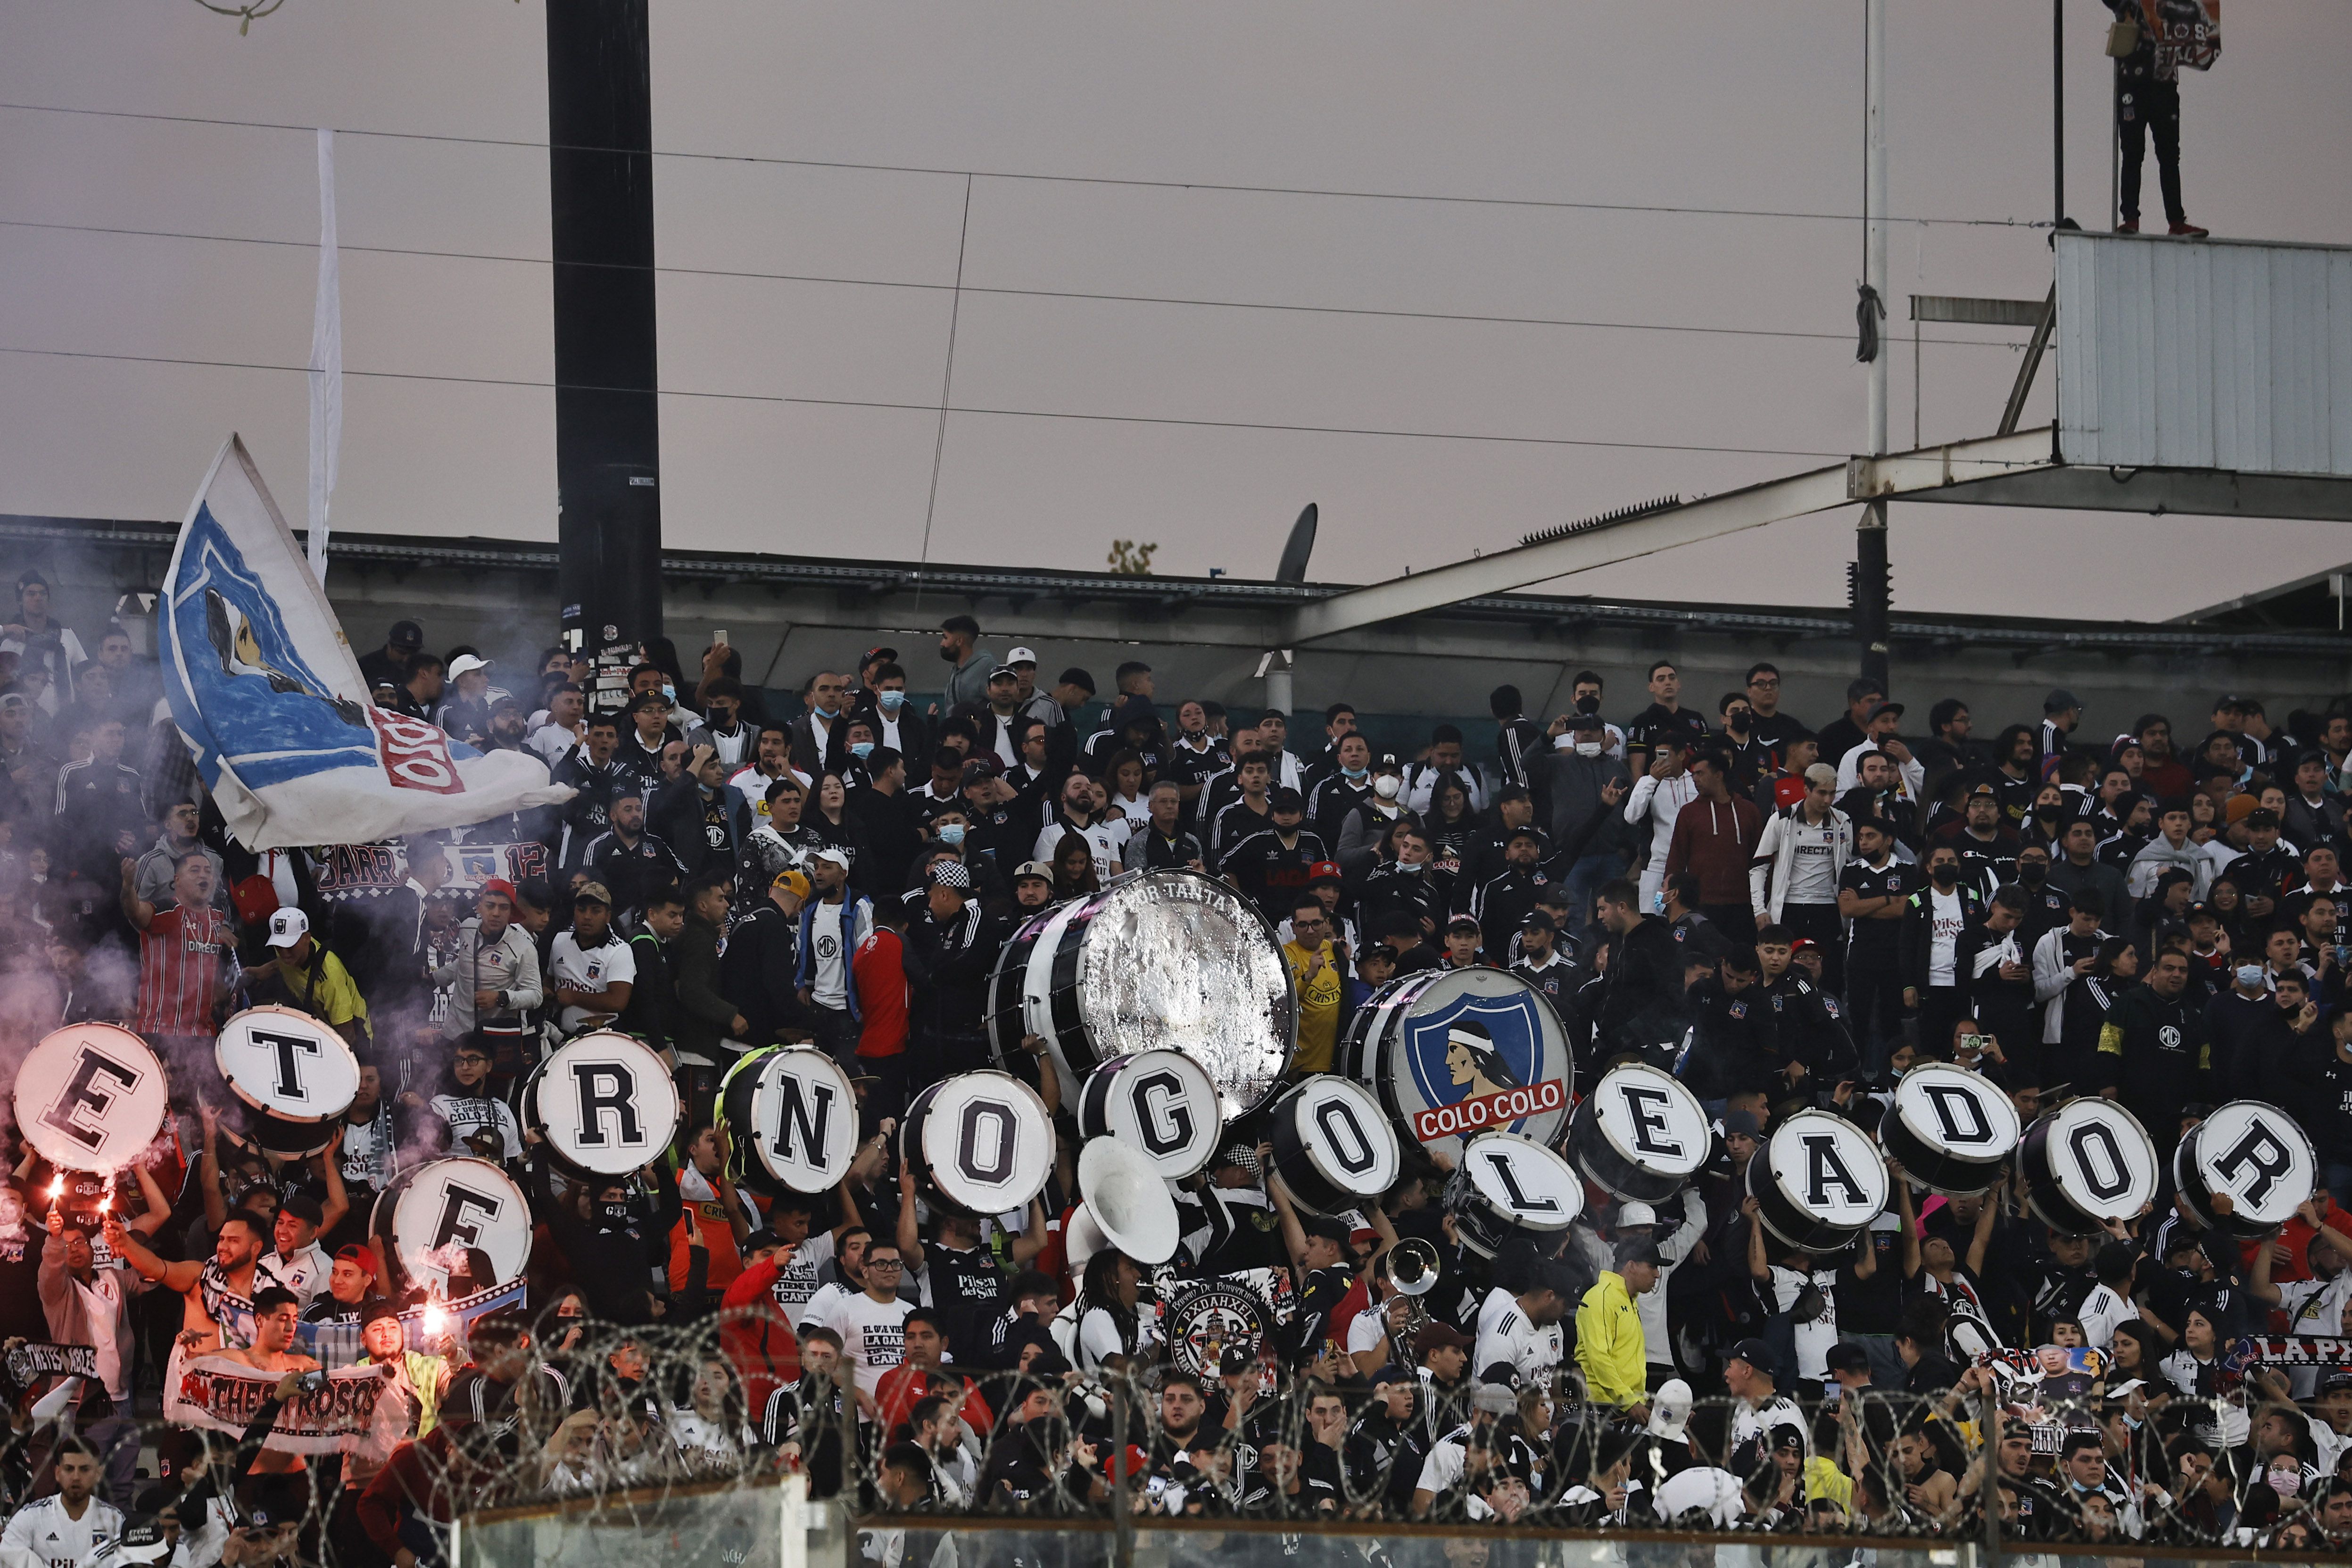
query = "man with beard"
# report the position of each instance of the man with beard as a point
(216, 1292)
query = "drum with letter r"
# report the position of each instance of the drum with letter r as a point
(603, 1103)
(2257, 1154)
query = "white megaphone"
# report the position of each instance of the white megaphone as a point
(1125, 1206)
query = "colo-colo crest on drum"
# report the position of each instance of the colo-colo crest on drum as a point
(1457, 1053)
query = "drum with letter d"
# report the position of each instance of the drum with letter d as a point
(1506, 1188)
(1457, 1052)
(431, 1215)
(292, 1075)
(2087, 1163)
(793, 1114)
(603, 1104)
(1333, 1146)
(1818, 1181)
(2257, 1154)
(1639, 1134)
(979, 1142)
(90, 1097)
(1950, 1128)
(1160, 1103)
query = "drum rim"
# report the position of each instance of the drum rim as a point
(271, 1111)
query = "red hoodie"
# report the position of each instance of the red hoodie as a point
(754, 1336)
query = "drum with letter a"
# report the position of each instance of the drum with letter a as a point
(2257, 1154)
(1639, 1134)
(433, 1214)
(1161, 1104)
(603, 1104)
(1333, 1145)
(2087, 1163)
(1950, 1128)
(979, 1142)
(1818, 1181)
(1508, 1187)
(793, 1114)
(90, 1097)
(292, 1075)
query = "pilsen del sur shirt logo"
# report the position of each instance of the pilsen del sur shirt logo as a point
(1485, 1063)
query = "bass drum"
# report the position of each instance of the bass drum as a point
(1818, 1181)
(1007, 1001)
(1640, 1135)
(1162, 961)
(431, 1215)
(1950, 1128)
(1511, 1188)
(1333, 1147)
(293, 1077)
(90, 1097)
(791, 1114)
(977, 1143)
(1455, 1053)
(1158, 1103)
(2087, 1163)
(603, 1104)
(2254, 1152)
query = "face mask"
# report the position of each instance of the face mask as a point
(616, 1216)
(828, 714)
(1408, 866)
(1385, 787)
(669, 693)
(2032, 873)
(1944, 874)
(890, 701)
(861, 750)
(2286, 1483)
(1355, 775)
(1588, 748)
(2047, 813)
(2250, 976)
(952, 834)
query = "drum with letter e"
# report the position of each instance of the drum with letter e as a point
(2257, 1154)
(2087, 1162)
(1818, 1181)
(603, 1104)
(1457, 1052)
(1507, 1188)
(979, 1142)
(90, 1097)
(793, 1114)
(1950, 1128)
(432, 1215)
(1333, 1145)
(292, 1075)
(1160, 1103)
(1640, 1135)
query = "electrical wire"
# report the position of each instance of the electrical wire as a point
(933, 408)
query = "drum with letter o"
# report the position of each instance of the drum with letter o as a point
(1640, 1135)
(1453, 1053)
(603, 1104)
(793, 1114)
(1160, 1103)
(90, 1097)
(979, 1142)
(2257, 1154)
(292, 1075)
(1507, 1188)
(1333, 1145)
(2087, 1163)
(431, 1214)
(1818, 1181)
(1950, 1128)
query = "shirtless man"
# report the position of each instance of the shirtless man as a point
(216, 1292)
(276, 1318)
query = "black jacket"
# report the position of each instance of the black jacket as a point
(948, 964)
(653, 1000)
(756, 972)
(1918, 931)
(1642, 1006)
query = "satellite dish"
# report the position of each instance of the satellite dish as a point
(1293, 567)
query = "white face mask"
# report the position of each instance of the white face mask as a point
(1588, 748)
(1385, 787)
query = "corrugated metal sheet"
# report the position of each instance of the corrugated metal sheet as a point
(2218, 353)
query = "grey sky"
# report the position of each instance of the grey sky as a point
(1640, 103)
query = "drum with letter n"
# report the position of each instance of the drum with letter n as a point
(603, 1104)
(1453, 1053)
(1161, 1104)
(1333, 1146)
(2257, 1154)
(979, 1142)
(2087, 1162)
(90, 1097)
(432, 1215)
(1508, 1188)
(793, 1114)
(1950, 1128)
(1640, 1135)
(1818, 1181)
(292, 1075)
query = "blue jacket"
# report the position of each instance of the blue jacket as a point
(856, 925)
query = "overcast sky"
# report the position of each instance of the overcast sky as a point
(1640, 103)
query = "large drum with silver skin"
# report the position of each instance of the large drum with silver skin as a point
(1455, 1053)
(1509, 1188)
(1818, 1181)
(2087, 1163)
(1640, 1135)
(2257, 1154)
(1950, 1128)
(1156, 961)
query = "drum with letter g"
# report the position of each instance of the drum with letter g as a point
(1160, 1103)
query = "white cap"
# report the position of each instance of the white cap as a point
(838, 856)
(1021, 656)
(1670, 1409)
(465, 664)
(1636, 1214)
(287, 926)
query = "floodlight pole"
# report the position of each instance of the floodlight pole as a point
(1869, 567)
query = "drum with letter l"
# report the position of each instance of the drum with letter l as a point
(1640, 1135)
(1160, 1103)
(292, 1075)
(792, 1113)
(2087, 1163)
(979, 1142)
(432, 1215)
(90, 1097)
(1818, 1181)
(1453, 1053)
(1506, 1188)
(1333, 1146)
(603, 1104)
(2257, 1154)
(1950, 1128)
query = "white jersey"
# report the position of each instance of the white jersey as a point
(465, 1113)
(1529, 1348)
(1814, 1335)
(873, 1334)
(2101, 1310)
(1754, 1421)
(304, 1273)
(44, 1535)
(589, 969)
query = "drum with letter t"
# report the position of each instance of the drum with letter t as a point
(292, 1074)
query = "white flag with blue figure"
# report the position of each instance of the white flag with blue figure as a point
(269, 698)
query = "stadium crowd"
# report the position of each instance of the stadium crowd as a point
(1788, 912)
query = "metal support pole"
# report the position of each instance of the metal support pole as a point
(2114, 151)
(1870, 591)
(1122, 1518)
(2058, 110)
(1870, 571)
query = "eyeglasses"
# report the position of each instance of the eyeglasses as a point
(884, 1263)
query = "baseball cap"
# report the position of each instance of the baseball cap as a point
(763, 1236)
(1463, 922)
(363, 1258)
(1846, 1356)
(1004, 672)
(1323, 871)
(1804, 944)
(1534, 834)
(1636, 1214)
(1021, 656)
(465, 664)
(833, 856)
(304, 1207)
(1439, 1336)
(1587, 719)
(949, 874)
(501, 887)
(1329, 1229)
(1758, 1354)
(379, 1308)
(1037, 869)
(978, 768)
(1538, 921)
(796, 882)
(1670, 1410)
(593, 893)
(879, 656)
(2332, 1382)
(141, 1541)
(2059, 700)
(288, 926)
(1882, 706)
(1984, 791)
(1235, 1360)
(1284, 799)
(405, 634)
